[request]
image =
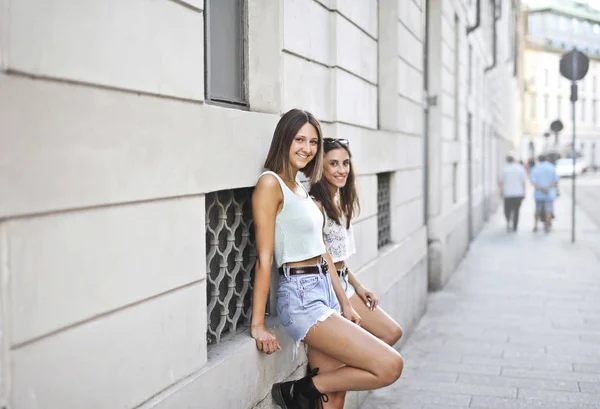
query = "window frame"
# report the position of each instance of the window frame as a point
(245, 104)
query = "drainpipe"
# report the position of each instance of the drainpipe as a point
(495, 45)
(470, 29)
(426, 116)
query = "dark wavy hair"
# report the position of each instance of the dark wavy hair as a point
(278, 158)
(349, 205)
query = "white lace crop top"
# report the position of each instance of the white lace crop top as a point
(298, 227)
(339, 240)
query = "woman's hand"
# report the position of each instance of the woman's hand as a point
(370, 299)
(349, 313)
(266, 341)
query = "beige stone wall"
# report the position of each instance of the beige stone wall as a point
(464, 85)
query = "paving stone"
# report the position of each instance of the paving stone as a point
(461, 368)
(406, 399)
(590, 387)
(434, 406)
(504, 403)
(462, 388)
(542, 384)
(590, 368)
(519, 363)
(558, 396)
(563, 375)
(431, 376)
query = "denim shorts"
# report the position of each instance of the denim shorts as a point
(348, 288)
(544, 205)
(303, 300)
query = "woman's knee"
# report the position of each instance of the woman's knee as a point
(393, 335)
(392, 369)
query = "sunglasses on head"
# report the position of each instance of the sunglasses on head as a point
(331, 141)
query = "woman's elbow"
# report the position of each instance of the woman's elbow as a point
(263, 266)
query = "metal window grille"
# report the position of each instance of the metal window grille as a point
(383, 210)
(230, 259)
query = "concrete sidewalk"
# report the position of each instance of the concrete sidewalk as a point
(518, 325)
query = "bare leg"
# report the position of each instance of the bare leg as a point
(370, 363)
(325, 363)
(377, 322)
(548, 221)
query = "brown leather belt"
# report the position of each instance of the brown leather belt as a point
(343, 271)
(314, 269)
(294, 271)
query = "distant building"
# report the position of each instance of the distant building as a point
(553, 28)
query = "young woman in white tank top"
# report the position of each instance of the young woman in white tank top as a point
(337, 195)
(289, 227)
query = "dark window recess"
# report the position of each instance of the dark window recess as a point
(225, 52)
(383, 210)
(230, 260)
(454, 182)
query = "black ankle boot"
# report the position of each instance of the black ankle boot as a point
(299, 394)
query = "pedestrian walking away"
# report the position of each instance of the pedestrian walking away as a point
(512, 184)
(544, 179)
(336, 194)
(311, 303)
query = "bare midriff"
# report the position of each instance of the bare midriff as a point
(312, 261)
(309, 262)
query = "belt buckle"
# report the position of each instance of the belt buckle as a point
(345, 271)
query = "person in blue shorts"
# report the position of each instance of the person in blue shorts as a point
(544, 179)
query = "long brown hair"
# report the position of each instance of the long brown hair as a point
(278, 158)
(349, 204)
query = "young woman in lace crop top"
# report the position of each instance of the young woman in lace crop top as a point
(336, 193)
(288, 226)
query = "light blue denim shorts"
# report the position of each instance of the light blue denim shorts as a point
(303, 300)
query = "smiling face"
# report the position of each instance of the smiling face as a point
(304, 147)
(336, 168)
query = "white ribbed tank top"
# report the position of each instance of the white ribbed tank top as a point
(298, 227)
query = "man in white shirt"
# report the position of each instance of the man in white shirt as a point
(512, 188)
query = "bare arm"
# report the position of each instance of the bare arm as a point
(538, 187)
(339, 291)
(266, 200)
(370, 299)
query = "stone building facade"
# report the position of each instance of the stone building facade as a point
(552, 29)
(131, 135)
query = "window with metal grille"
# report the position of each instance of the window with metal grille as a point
(230, 259)
(383, 210)
(225, 52)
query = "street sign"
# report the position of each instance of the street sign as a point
(556, 126)
(574, 65)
